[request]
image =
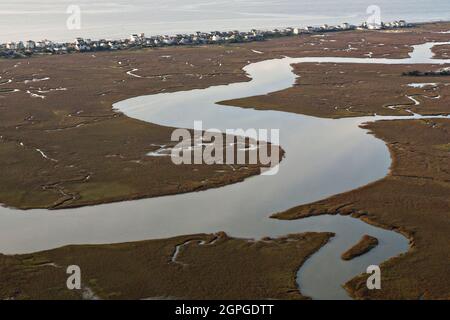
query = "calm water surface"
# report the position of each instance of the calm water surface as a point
(40, 19)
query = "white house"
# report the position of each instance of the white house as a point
(374, 26)
(134, 38)
(81, 45)
(30, 45)
(11, 46)
(345, 26)
(216, 38)
(168, 41)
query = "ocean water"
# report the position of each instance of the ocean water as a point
(40, 19)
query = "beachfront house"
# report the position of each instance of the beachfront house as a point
(168, 41)
(374, 26)
(30, 45)
(11, 46)
(216, 38)
(137, 38)
(134, 38)
(198, 38)
(345, 26)
(81, 45)
(40, 44)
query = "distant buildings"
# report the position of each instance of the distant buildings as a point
(388, 25)
(20, 49)
(396, 24)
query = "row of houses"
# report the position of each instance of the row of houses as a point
(21, 49)
(388, 25)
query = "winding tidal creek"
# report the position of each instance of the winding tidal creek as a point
(323, 157)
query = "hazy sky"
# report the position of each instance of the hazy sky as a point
(37, 19)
